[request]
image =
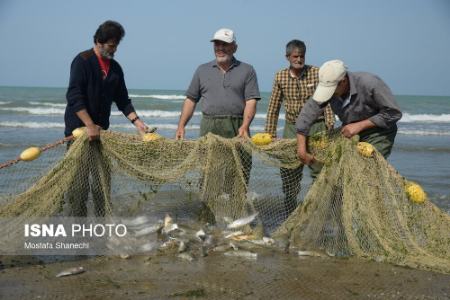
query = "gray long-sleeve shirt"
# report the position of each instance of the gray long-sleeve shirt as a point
(370, 98)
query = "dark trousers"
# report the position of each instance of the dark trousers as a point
(381, 139)
(227, 127)
(291, 178)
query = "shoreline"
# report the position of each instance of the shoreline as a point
(273, 275)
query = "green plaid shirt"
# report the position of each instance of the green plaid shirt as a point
(294, 92)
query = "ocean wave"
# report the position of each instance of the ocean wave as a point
(424, 132)
(48, 104)
(58, 109)
(425, 118)
(35, 110)
(38, 125)
(161, 113)
(4, 102)
(159, 126)
(32, 124)
(254, 128)
(162, 97)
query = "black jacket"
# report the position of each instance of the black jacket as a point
(87, 90)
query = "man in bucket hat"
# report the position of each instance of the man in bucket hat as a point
(363, 102)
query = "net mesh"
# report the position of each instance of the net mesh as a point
(356, 207)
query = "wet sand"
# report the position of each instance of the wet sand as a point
(273, 275)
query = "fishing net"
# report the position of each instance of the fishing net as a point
(356, 207)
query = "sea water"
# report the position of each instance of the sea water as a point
(31, 116)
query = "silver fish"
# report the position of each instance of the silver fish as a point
(308, 253)
(71, 271)
(233, 233)
(148, 230)
(169, 228)
(168, 221)
(240, 253)
(147, 247)
(201, 235)
(241, 222)
(233, 246)
(185, 256)
(182, 247)
(228, 219)
(136, 221)
(264, 242)
(221, 248)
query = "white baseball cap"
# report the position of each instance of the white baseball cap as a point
(330, 73)
(225, 35)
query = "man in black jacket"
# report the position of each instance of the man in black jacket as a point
(96, 80)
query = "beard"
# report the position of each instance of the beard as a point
(106, 54)
(224, 59)
(297, 66)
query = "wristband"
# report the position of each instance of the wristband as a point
(134, 119)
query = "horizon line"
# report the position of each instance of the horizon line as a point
(149, 89)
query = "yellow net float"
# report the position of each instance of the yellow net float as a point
(319, 144)
(30, 154)
(151, 136)
(365, 149)
(76, 133)
(261, 139)
(415, 192)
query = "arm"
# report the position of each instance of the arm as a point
(186, 115)
(93, 130)
(76, 97)
(139, 124)
(273, 110)
(124, 104)
(352, 129)
(249, 114)
(192, 97)
(389, 111)
(305, 157)
(309, 113)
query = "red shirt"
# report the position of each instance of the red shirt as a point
(104, 65)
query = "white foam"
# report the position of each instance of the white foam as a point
(159, 113)
(32, 124)
(4, 102)
(61, 125)
(424, 132)
(35, 110)
(254, 129)
(48, 104)
(162, 97)
(425, 118)
(159, 126)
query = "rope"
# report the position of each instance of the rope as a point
(43, 149)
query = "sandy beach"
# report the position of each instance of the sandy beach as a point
(273, 275)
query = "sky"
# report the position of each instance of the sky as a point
(405, 42)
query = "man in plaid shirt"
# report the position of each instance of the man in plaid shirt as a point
(294, 86)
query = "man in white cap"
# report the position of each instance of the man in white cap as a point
(228, 91)
(363, 102)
